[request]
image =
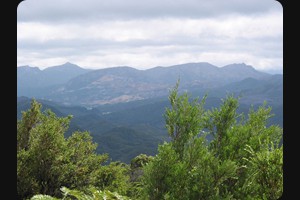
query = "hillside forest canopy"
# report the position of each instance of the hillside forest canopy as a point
(243, 160)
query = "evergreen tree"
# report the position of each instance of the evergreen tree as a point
(46, 160)
(243, 160)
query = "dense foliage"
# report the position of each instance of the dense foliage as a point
(46, 160)
(243, 160)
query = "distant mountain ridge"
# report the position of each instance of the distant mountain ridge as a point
(73, 85)
(31, 81)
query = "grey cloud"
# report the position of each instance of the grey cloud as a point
(192, 46)
(88, 45)
(65, 10)
(84, 44)
(264, 46)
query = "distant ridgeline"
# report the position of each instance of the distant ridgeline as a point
(123, 107)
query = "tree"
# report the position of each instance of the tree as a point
(243, 160)
(29, 120)
(79, 163)
(40, 143)
(113, 177)
(46, 160)
(184, 118)
(265, 178)
(185, 167)
(220, 121)
(239, 135)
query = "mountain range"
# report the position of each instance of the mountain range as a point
(123, 107)
(31, 81)
(71, 84)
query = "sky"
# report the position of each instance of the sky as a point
(144, 34)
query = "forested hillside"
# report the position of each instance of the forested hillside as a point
(126, 130)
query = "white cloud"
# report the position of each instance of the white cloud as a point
(84, 10)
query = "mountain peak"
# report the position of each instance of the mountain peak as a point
(238, 66)
(67, 65)
(27, 68)
(33, 77)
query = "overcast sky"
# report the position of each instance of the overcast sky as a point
(148, 33)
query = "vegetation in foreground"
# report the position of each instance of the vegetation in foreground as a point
(243, 161)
